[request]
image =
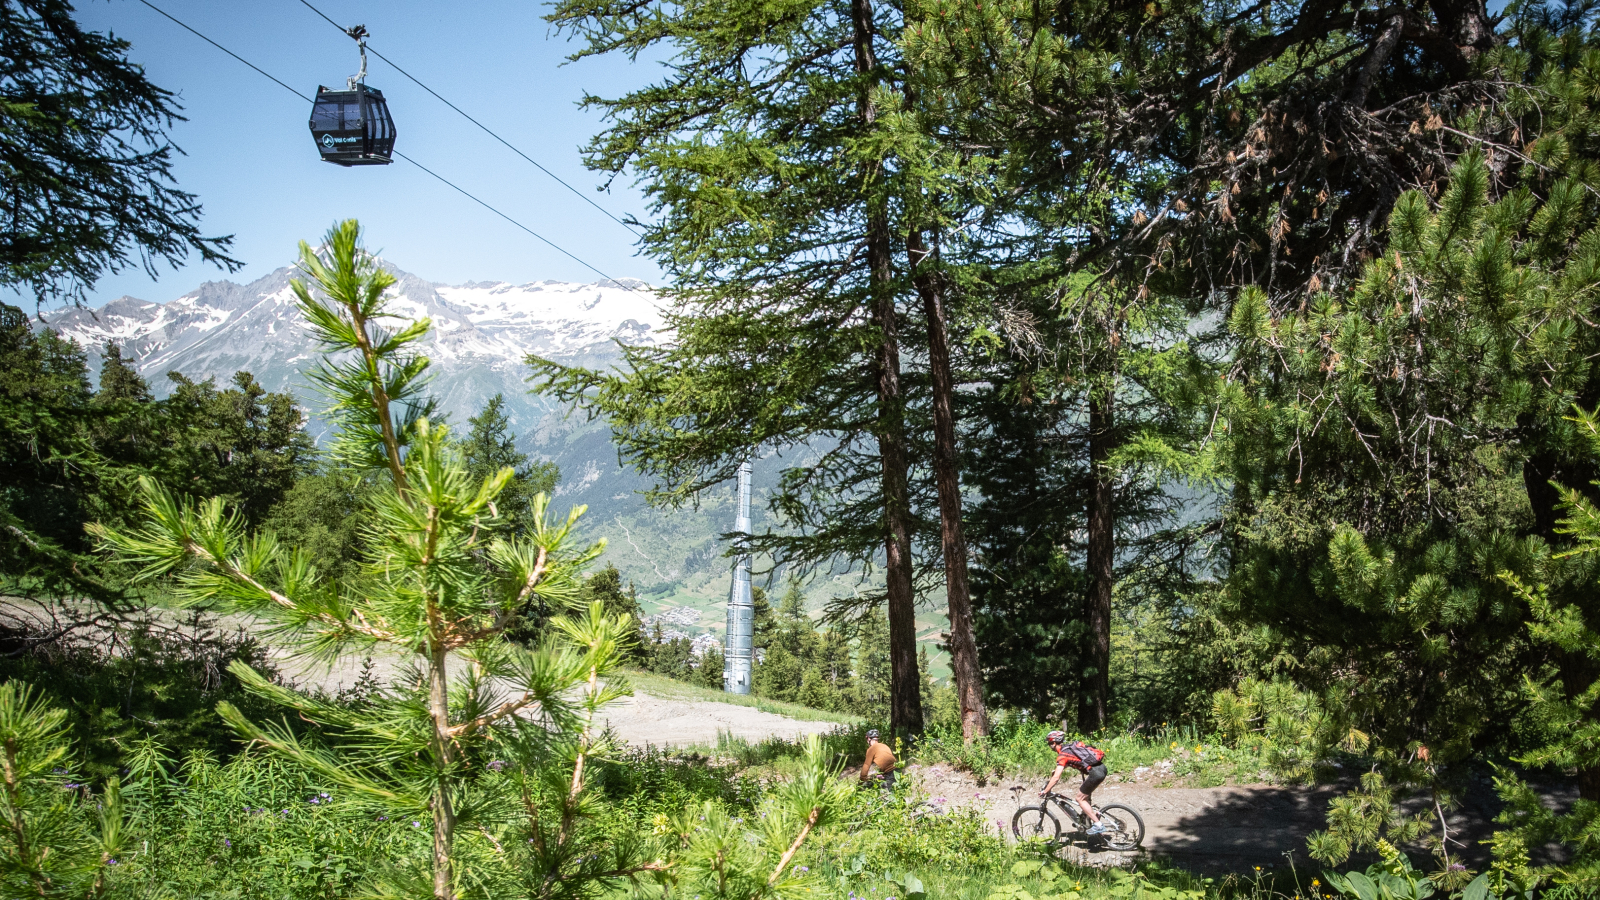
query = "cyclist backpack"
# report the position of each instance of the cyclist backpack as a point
(1087, 757)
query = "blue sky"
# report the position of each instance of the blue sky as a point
(251, 160)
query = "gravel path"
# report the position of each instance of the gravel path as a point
(640, 719)
(1232, 828)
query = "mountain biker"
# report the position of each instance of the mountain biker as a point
(878, 754)
(1086, 759)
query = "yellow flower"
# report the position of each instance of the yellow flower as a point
(660, 824)
(1316, 883)
(1258, 868)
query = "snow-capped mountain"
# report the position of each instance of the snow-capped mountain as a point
(482, 333)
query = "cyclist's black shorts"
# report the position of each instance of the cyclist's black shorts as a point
(1092, 779)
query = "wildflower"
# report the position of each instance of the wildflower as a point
(416, 824)
(323, 795)
(1316, 883)
(227, 843)
(802, 869)
(1258, 868)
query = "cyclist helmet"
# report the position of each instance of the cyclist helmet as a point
(872, 735)
(1056, 737)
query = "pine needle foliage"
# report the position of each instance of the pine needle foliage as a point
(51, 844)
(1570, 623)
(1382, 439)
(440, 586)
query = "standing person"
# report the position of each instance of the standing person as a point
(1086, 759)
(878, 754)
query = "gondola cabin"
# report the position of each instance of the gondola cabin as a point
(352, 127)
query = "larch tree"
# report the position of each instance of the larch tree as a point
(793, 215)
(85, 160)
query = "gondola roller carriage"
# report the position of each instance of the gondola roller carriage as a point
(352, 127)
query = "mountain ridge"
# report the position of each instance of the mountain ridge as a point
(482, 332)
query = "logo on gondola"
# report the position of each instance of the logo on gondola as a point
(327, 141)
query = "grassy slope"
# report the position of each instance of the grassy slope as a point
(672, 689)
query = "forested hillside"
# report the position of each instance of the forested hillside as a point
(1214, 384)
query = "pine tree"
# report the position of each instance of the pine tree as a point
(763, 624)
(815, 692)
(778, 676)
(241, 443)
(48, 846)
(119, 381)
(870, 697)
(1568, 621)
(835, 661)
(432, 598)
(491, 446)
(709, 672)
(1382, 441)
(605, 586)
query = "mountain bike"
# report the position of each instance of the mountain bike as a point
(1124, 826)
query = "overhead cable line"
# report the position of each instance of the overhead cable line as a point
(585, 197)
(446, 181)
(224, 50)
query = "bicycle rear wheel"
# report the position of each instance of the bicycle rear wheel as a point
(1124, 827)
(1035, 822)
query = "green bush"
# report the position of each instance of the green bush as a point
(145, 681)
(1016, 749)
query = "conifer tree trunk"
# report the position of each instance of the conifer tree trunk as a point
(1102, 556)
(905, 699)
(962, 644)
(444, 818)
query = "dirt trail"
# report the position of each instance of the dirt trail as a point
(640, 719)
(1217, 829)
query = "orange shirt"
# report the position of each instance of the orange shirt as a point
(878, 755)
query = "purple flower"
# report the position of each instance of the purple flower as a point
(805, 868)
(416, 824)
(227, 843)
(383, 818)
(497, 765)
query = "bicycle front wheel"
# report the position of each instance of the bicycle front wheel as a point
(1124, 827)
(1034, 823)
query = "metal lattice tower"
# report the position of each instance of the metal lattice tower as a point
(737, 653)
